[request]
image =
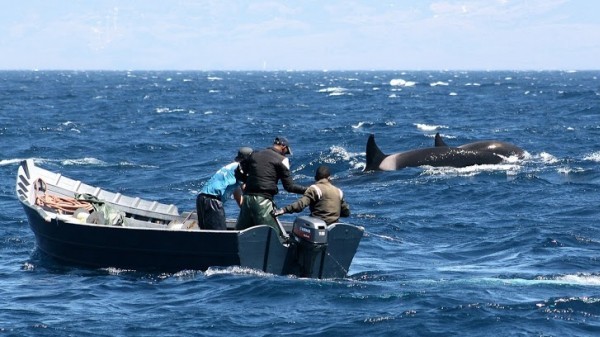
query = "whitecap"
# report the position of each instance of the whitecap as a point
(580, 279)
(339, 94)
(427, 127)
(569, 170)
(470, 171)
(453, 94)
(117, 271)
(548, 158)
(83, 161)
(435, 84)
(334, 91)
(236, 270)
(344, 153)
(398, 82)
(595, 156)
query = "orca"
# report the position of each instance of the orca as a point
(495, 146)
(431, 156)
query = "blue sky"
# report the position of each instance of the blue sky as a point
(300, 35)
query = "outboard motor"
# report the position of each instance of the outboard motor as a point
(310, 238)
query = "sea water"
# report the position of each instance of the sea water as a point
(507, 249)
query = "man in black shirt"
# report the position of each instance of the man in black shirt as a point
(260, 173)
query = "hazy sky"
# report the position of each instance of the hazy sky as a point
(300, 35)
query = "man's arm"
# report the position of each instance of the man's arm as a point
(283, 170)
(303, 202)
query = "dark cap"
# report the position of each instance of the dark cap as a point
(322, 172)
(283, 141)
(243, 153)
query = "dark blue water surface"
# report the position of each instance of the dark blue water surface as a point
(508, 249)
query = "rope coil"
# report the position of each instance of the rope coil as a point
(62, 205)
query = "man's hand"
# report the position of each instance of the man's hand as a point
(277, 212)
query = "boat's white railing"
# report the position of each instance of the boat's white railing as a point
(64, 186)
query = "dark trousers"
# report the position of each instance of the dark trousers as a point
(211, 214)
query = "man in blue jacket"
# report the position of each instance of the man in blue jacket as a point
(261, 173)
(219, 188)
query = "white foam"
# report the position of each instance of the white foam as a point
(583, 279)
(358, 126)
(236, 270)
(571, 279)
(398, 82)
(435, 84)
(548, 158)
(427, 127)
(569, 170)
(332, 89)
(595, 156)
(473, 170)
(83, 161)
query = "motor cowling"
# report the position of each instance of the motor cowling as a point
(310, 237)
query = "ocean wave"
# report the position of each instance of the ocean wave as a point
(167, 110)
(361, 124)
(335, 91)
(547, 158)
(469, 171)
(582, 279)
(66, 162)
(398, 82)
(236, 270)
(569, 170)
(83, 162)
(595, 156)
(353, 158)
(428, 127)
(568, 279)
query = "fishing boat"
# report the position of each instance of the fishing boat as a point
(79, 224)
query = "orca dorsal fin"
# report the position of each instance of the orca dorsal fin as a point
(374, 155)
(439, 142)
